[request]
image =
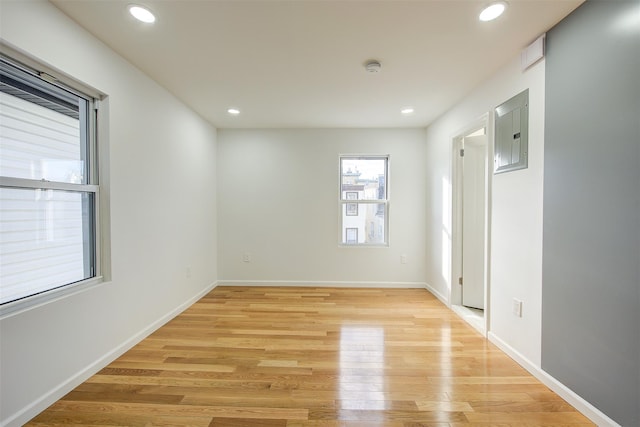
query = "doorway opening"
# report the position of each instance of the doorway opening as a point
(470, 226)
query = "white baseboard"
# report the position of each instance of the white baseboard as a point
(437, 294)
(27, 413)
(587, 409)
(323, 284)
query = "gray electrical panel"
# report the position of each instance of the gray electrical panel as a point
(512, 134)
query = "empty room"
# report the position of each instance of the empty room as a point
(320, 213)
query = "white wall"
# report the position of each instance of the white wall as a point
(516, 226)
(161, 186)
(278, 200)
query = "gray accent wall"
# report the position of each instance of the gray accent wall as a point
(591, 237)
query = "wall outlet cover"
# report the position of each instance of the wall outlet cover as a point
(517, 307)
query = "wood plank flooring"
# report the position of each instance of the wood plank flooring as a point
(247, 356)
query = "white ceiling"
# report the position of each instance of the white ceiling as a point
(301, 63)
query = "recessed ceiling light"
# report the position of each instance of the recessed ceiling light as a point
(233, 111)
(407, 110)
(142, 14)
(492, 11)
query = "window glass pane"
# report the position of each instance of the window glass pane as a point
(39, 139)
(46, 240)
(351, 236)
(366, 226)
(363, 179)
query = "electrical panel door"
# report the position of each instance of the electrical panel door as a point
(512, 134)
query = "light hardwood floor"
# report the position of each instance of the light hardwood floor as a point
(247, 356)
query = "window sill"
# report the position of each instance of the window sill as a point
(19, 306)
(363, 245)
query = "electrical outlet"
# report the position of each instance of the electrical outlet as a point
(246, 257)
(517, 307)
(403, 259)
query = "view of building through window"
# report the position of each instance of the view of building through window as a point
(363, 198)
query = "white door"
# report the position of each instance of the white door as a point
(473, 220)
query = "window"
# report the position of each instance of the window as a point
(352, 236)
(48, 184)
(352, 208)
(364, 201)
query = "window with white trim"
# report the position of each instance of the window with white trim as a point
(364, 201)
(48, 184)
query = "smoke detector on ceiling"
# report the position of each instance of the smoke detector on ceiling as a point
(372, 66)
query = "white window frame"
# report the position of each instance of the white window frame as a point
(343, 201)
(36, 70)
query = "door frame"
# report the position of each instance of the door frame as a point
(455, 290)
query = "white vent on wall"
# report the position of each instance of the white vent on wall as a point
(532, 53)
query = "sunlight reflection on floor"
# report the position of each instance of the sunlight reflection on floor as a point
(361, 381)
